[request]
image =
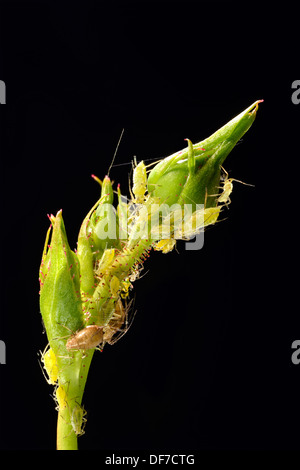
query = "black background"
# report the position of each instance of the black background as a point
(207, 362)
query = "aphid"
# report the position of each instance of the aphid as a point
(78, 419)
(113, 331)
(77, 413)
(114, 286)
(228, 187)
(165, 245)
(203, 218)
(87, 338)
(211, 215)
(135, 273)
(50, 365)
(226, 191)
(139, 182)
(105, 261)
(126, 284)
(61, 398)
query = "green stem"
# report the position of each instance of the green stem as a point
(66, 437)
(73, 379)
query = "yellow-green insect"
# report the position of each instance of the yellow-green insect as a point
(165, 245)
(105, 261)
(50, 365)
(60, 398)
(78, 419)
(139, 187)
(227, 188)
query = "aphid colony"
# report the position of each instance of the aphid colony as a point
(104, 300)
(63, 402)
(96, 336)
(85, 293)
(114, 273)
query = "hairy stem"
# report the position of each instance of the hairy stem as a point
(70, 422)
(66, 437)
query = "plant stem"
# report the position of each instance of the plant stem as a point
(66, 437)
(74, 379)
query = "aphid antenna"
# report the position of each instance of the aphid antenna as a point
(232, 179)
(144, 160)
(242, 182)
(153, 163)
(117, 147)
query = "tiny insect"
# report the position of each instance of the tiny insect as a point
(87, 338)
(60, 398)
(139, 182)
(165, 245)
(78, 419)
(228, 187)
(50, 365)
(105, 261)
(113, 331)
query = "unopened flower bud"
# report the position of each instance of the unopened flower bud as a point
(192, 176)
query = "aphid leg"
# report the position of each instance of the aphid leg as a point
(237, 181)
(116, 332)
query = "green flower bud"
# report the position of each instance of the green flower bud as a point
(60, 285)
(192, 176)
(61, 309)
